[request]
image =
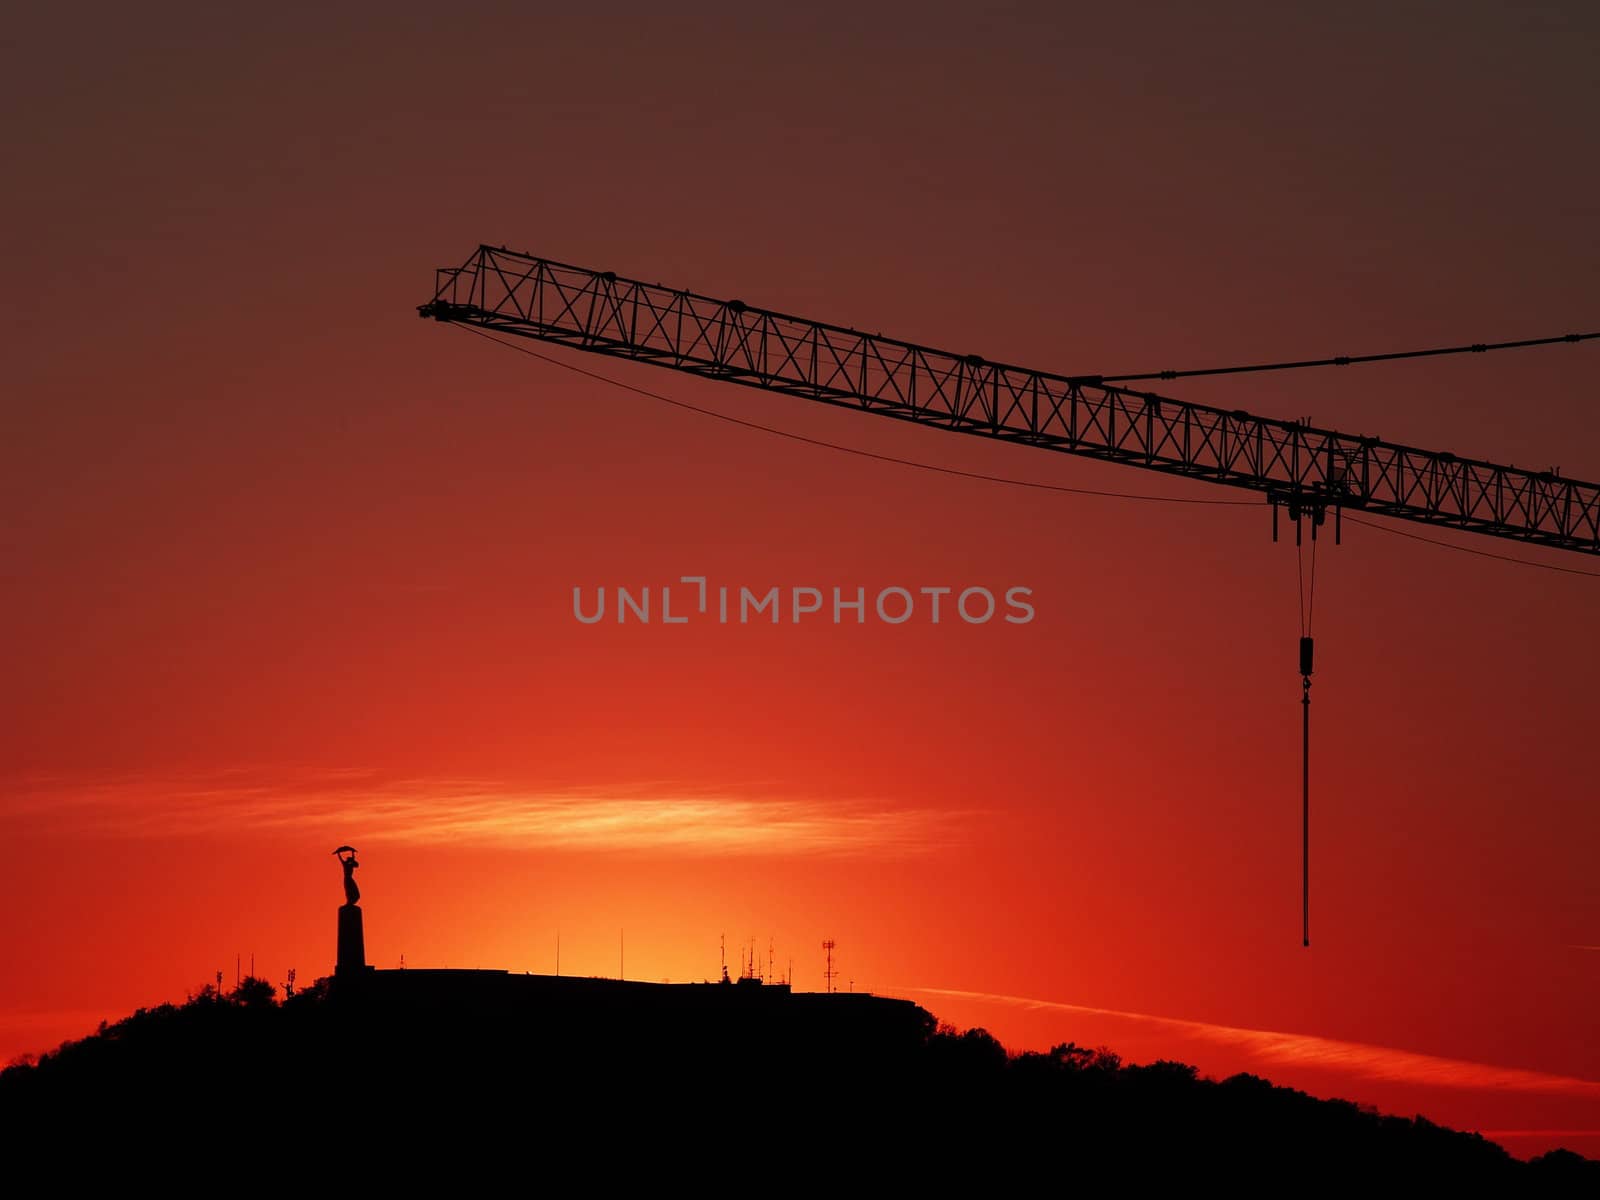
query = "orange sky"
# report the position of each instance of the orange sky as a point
(285, 567)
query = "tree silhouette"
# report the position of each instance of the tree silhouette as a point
(253, 992)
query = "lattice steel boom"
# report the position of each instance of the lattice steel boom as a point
(599, 311)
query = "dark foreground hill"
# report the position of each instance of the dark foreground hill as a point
(490, 1074)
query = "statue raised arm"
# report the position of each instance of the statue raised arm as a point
(347, 859)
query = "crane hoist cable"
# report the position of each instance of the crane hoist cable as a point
(1305, 577)
(1308, 600)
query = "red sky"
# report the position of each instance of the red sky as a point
(285, 567)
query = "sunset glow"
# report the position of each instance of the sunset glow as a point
(285, 567)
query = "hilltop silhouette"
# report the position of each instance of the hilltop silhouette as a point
(517, 1072)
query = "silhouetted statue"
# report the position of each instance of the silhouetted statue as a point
(352, 941)
(347, 859)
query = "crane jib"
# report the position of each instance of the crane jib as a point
(1287, 461)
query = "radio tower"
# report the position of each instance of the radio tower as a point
(829, 974)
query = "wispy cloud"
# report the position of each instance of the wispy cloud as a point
(656, 816)
(1307, 1050)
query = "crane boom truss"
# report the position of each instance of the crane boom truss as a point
(598, 311)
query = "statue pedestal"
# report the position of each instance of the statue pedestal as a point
(352, 944)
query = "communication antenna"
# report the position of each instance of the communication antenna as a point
(829, 974)
(723, 942)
